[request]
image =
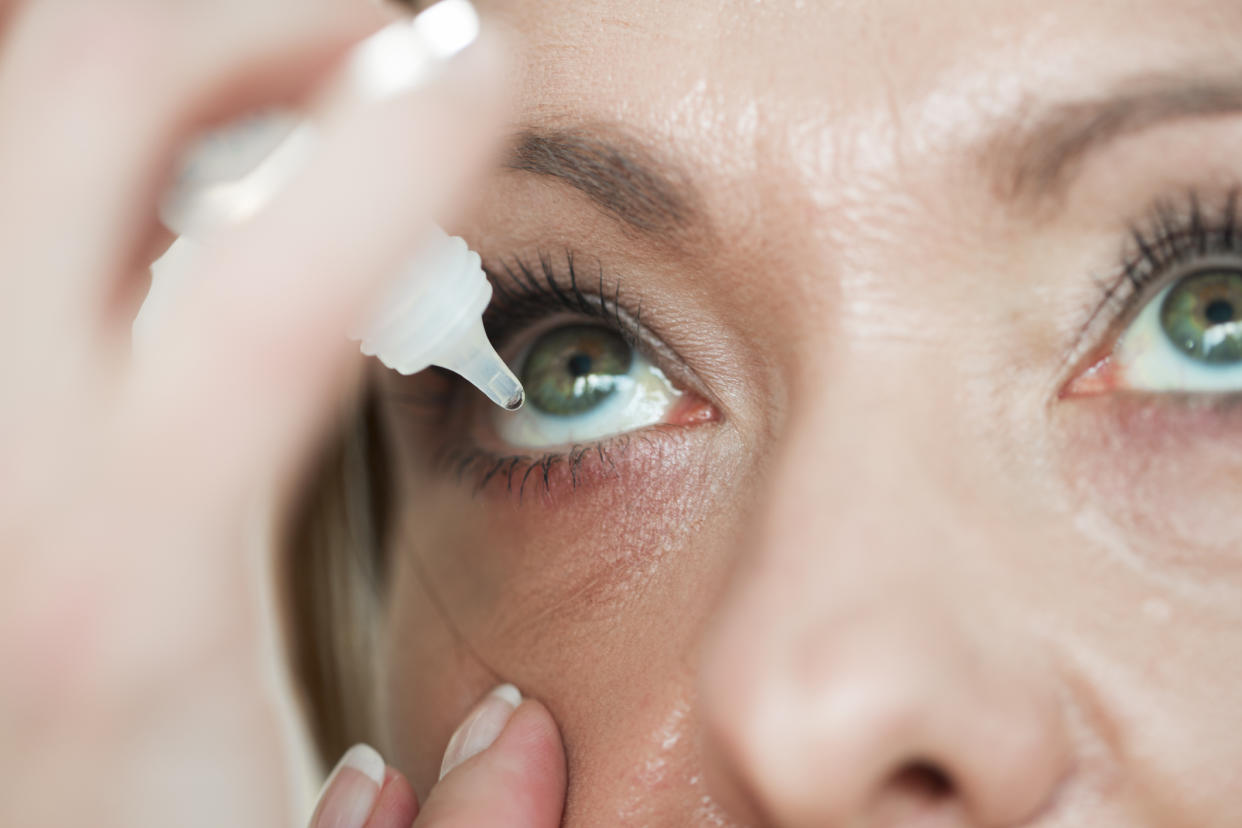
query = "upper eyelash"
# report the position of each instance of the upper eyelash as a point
(1168, 239)
(523, 292)
(1172, 238)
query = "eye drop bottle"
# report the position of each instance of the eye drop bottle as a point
(433, 312)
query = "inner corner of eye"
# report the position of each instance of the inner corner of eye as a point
(1099, 376)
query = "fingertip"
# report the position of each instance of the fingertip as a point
(397, 805)
(530, 756)
(532, 733)
(351, 790)
(518, 781)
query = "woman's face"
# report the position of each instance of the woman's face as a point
(882, 454)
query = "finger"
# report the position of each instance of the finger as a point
(518, 781)
(258, 339)
(7, 9)
(130, 293)
(397, 805)
(350, 794)
(97, 97)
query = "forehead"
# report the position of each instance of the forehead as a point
(807, 110)
(737, 68)
(818, 133)
(815, 108)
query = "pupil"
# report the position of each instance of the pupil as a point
(580, 364)
(1219, 311)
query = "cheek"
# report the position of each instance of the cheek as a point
(1167, 471)
(431, 679)
(523, 549)
(618, 572)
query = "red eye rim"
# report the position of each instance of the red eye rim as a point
(1102, 377)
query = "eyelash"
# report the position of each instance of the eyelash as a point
(519, 470)
(1158, 249)
(523, 294)
(1159, 246)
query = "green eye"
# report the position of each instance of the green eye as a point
(571, 370)
(584, 383)
(1202, 316)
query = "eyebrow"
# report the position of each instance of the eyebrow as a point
(1032, 161)
(617, 173)
(1036, 159)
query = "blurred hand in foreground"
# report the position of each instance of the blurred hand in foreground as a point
(132, 690)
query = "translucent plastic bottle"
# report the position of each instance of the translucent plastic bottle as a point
(434, 317)
(433, 313)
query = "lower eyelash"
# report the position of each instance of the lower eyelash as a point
(517, 471)
(558, 472)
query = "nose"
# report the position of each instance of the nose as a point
(864, 672)
(880, 718)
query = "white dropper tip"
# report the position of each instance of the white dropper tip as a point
(472, 356)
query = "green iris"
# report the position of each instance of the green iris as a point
(570, 370)
(1202, 316)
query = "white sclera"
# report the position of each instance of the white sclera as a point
(1149, 361)
(642, 397)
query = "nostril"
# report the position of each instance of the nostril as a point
(917, 793)
(922, 781)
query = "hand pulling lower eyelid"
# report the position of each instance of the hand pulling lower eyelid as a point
(433, 313)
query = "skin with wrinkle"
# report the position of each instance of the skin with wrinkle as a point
(896, 557)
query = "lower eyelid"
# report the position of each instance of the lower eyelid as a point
(1159, 421)
(551, 478)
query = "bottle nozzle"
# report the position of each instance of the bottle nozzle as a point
(474, 359)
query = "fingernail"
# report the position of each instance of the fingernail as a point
(481, 727)
(349, 794)
(406, 54)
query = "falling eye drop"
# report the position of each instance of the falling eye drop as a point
(433, 312)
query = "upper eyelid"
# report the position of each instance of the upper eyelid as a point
(600, 298)
(1166, 243)
(525, 284)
